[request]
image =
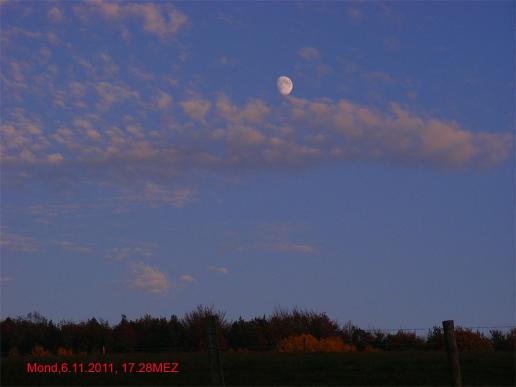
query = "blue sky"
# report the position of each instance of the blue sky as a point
(149, 163)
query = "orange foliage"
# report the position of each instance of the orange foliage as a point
(472, 341)
(64, 352)
(335, 344)
(301, 343)
(39, 351)
(308, 343)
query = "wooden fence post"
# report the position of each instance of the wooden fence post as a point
(453, 353)
(217, 376)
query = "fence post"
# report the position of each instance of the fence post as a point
(453, 353)
(217, 376)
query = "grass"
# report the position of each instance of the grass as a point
(273, 368)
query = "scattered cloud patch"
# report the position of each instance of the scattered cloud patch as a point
(71, 246)
(18, 243)
(55, 15)
(187, 278)
(148, 278)
(219, 269)
(196, 109)
(310, 53)
(158, 19)
(158, 196)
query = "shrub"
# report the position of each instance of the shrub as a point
(64, 352)
(308, 343)
(39, 351)
(335, 344)
(467, 340)
(302, 343)
(404, 340)
(503, 341)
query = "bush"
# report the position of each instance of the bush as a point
(504, 342)
(335, 344)
(302, 343)
(39, 351)
(467, 340)
(308, 343)
(404, 341)
(64, 352)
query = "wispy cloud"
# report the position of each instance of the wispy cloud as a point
(158, 195)
(219, 269)
(17, 242)
(289, 247)
(72, 246)
(187, 278)
(310, 53)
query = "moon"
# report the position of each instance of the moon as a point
(285, 85)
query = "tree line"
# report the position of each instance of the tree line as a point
(22, 335)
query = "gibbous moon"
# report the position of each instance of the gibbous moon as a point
(285, 85)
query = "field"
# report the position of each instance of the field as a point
(272, 368)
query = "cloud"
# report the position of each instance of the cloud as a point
(196, 108)
(54, 14)
(158, 195)
(219, 269)
(55, 158)
(163, 100)
(313, 64)
(161, 20)
(111, 93)
(279, 237)
(253, 135)
(225, 61)
(253, 112)
(149, 279)
(71, 246)
(17, 242)
(309, 53)
(187, 278)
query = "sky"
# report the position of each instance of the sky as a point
(149, 163)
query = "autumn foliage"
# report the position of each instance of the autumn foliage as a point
(307, 343)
